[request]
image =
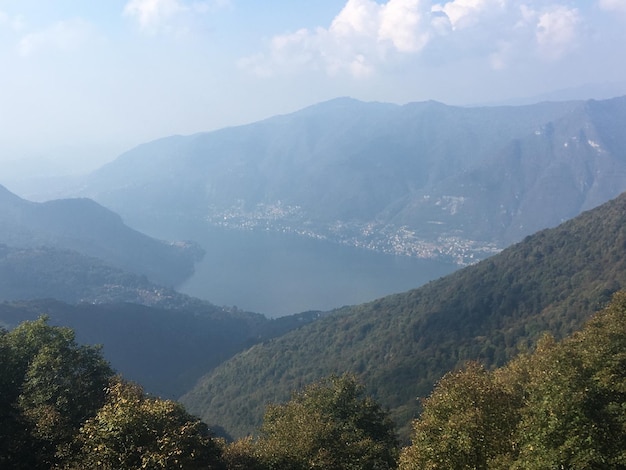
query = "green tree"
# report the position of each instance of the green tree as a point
(575, 413)
(242, 454)
(134, 431)
(468, 422)
(331, 425)
(563, 406)
(50, 386)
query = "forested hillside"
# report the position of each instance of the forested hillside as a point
(400, 345)
(560, 406)
(62, 407)
(49, 273)
(88, 228)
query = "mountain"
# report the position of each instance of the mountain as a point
(400, 345)
(423, 179)
(88, 228)
(150, 333)
(66, 275)
(166, 350)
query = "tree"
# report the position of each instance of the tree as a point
(134, 431)
(331, 425)
(50, 386)
(575, 413)
(467, 422)
(242, 454)
(563, 406)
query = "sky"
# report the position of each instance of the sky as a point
(83, 80)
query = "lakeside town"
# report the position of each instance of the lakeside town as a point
(374, 236)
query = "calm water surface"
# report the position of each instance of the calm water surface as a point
(279, 274)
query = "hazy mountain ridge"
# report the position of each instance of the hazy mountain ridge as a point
(401, 344)
(423, 179)
(86, 227)
(559, 170)
(46, 272)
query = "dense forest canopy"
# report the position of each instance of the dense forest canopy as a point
(561, 405)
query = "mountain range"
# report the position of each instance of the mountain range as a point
(423, 179)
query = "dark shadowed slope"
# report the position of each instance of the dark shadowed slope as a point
(164, 349)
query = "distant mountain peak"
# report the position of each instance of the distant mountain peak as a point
(423, 179)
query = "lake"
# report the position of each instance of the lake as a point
(279, 274)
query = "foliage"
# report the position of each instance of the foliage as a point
(133, 431)
(330, 425)
(242, 454)
(467, 422)
(400, 345)
(61, 407)
(575, 411)
(562, 406)
(50, 385)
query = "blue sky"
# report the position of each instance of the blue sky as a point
(81, 81)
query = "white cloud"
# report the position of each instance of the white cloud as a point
(613, 5)
(63, 36)
(368, 35)
(361, 37)
(466, 13)
(402, 23)
(357, 17)
(500, 58)
(557, 31)
(154, 16)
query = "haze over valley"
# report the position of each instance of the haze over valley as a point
(338, 234)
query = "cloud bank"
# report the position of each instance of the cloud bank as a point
(367, 36)
(613, 5)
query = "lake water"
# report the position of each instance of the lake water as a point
(279, 274)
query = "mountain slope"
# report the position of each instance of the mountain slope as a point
(401, 344)
(424, 179)
(88, 228)
(166, 349)
(45, 272)
(538, 180)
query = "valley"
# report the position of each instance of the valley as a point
(339, 235)
(230, 269)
